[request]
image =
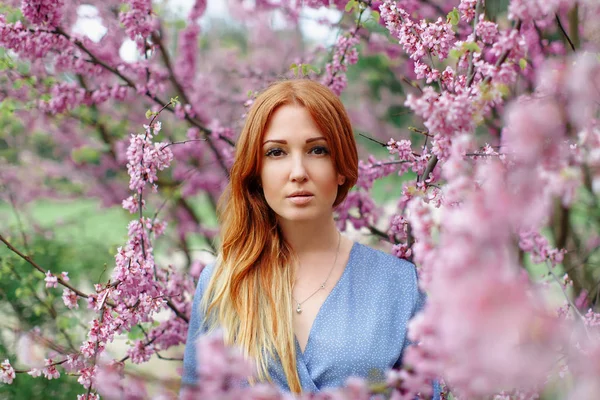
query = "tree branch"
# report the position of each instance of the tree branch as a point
(42, 270)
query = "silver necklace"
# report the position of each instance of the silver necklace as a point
(299, 303)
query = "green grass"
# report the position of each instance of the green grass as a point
(78, 221)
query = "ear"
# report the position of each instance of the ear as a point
(341, 180)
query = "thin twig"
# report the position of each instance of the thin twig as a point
(373, 140)
(182, 142)
(42, 270)
(564, 32)
(575, 309)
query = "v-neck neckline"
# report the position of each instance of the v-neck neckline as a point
(329, 296)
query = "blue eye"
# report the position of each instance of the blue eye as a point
(319, 150)
(274, 152)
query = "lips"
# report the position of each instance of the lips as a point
(301, 197)
(301, 193)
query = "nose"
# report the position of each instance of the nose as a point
(298, 172)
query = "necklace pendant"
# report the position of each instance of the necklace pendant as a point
(299, 309)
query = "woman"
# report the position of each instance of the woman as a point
(309, 305)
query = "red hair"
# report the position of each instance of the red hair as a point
(249, 295)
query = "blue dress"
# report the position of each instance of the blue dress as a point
(359, 331)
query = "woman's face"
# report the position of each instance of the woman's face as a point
(298, 177)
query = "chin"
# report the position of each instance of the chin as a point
(299, 215)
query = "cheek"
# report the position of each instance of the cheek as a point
(270, 178)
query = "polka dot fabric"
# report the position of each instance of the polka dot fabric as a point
(359, 331)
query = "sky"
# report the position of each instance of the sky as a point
(90, 24)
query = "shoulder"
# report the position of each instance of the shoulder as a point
(373, 262)
(204, 279)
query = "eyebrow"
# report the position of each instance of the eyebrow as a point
(310, 140)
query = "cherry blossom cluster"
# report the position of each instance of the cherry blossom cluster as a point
(345, 53)
(46, 13)
(188, 51)
(197, 10)
(224, 372)
(7, 372)
(467, 9)
(32, 44)
(146, 158)
(418, 39)
(528, 10)
(463, 224)
(49, 371)
(539, 248)
(358, 210)
(139, 20)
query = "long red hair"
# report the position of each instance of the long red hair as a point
(249, 294)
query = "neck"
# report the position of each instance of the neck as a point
(310, 236)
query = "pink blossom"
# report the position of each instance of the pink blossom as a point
(185, 67)
(539, 248)
(140, 352)
(533, 129)
(221, 366)
(87, 376)
(145, 159)
(91, 396)
(73, 363)
(50, 371)
(132, 204)
(467, 9)
(43, 12)
(356, 389)
(486, 30)
(51, 280)
(7, 373)
(139, 20)
(418, 39)
(111, 379)
(512, 42)
(402, 250)
(533, 9)
(358, 209)
(579, 81)
(65, 96)
(70, 298)
(592, 318)
(345, 54)
(197, 10)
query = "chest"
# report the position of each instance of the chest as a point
(356, 331)
(309, 297)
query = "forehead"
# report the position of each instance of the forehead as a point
(291, 122)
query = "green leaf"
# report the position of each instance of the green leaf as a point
(455, 53)
(523, 63)
(294, 68)
(471, 46)
(149, 114)
(350, 5)
(135, 333)
(453, 17)
(305, 69)
(503, 89)
(175, 100)
(375, 15)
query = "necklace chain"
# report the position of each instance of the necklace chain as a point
(322, 286)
